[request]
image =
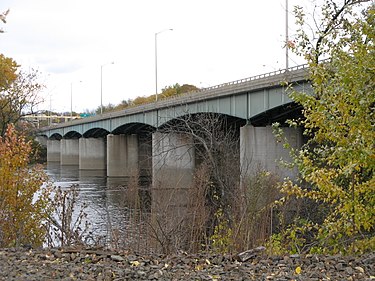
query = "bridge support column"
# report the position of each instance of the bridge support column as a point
(92, 154)
(145, 159)
(122, 155)
(173, 160)
(173, 164)
(53, 151)
(69, 152)
(261, 151)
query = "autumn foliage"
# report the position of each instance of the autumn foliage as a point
(337, 163)
(24, 203)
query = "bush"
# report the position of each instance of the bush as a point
(24, 201)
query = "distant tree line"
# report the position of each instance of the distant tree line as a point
(167, 92)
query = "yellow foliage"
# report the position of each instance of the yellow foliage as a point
(23, 203)
(222, 237)
(134, 263)
(8, 69)
(337, 162)
(298, 270)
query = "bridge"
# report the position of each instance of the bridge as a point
(135, 140)
(247, 99)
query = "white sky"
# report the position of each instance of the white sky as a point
(212, 42)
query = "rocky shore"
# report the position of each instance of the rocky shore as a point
(65, 264)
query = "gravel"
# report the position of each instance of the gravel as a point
(71, 264)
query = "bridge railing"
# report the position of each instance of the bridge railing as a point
(257, 77)
(208, 91)
(203, 92)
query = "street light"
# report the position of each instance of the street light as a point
(101, 85)
(71, 100)
(156, 61)
(286, 36)
(50, 110)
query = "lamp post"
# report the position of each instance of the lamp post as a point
(156, 61)
(50, 110)
(286, 36)
(71, 100)
(101, 85)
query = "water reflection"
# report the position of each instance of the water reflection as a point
(111, 205)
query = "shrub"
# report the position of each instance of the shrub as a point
(24, 201)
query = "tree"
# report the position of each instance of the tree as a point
(8, 69)
(177, 89)
(24, 204)
(167, 92)
(216, 208)
(211, 214)
(19, 92)
(337, 163)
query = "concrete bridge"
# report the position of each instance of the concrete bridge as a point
(134, 140)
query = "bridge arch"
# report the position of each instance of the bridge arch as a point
(95, 133)
(279, 114)
(179, 121)
(55, 136)
(72, 135)
(133, 128)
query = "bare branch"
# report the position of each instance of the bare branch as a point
(333, 23)
(3, 18)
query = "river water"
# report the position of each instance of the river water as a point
(112, 207)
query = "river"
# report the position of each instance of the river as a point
(113, 211)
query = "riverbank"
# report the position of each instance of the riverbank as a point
(59, 264)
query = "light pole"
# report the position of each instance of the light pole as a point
(101, 85)
(50, 110)
(156, 61)
(71, 100)
(286, 36)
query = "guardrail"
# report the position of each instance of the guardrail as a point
(257, 77)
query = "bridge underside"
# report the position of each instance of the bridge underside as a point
(133, 143)
(278, 114)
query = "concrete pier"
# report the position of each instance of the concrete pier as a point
(69, 152)
(145, 159)
(92, 154)
(122, 155)
(173, 164)
(53, 151)
(261, 151)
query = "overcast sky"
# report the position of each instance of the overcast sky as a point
(212, 42)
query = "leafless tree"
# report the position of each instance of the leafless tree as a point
(215, 181)
(20, 98)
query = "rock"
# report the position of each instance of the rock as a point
(244, 256)
(57, 254)
(360, 269)
(117, 258)
(44, 264)
(294, 256)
